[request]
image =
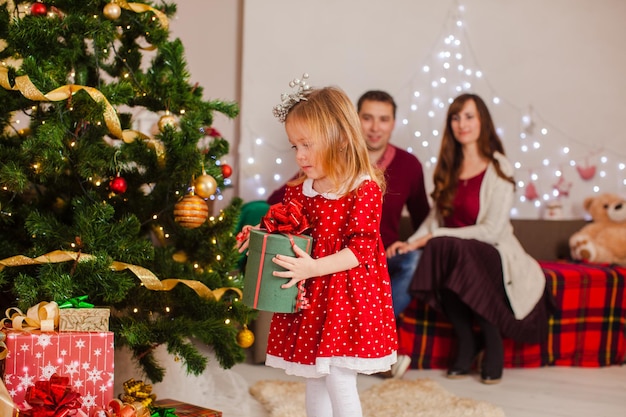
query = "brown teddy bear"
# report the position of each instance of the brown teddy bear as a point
(604, 239)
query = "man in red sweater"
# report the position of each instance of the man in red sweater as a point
(405, 188)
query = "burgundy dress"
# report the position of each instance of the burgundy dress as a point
(350, 322)
(473, 270)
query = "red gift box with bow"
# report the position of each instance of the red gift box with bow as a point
(282, 228)
(85, 358)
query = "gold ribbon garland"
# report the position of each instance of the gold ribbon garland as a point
(24, 85)
(147, 277)
(141, 8)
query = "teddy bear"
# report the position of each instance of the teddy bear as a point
(603, 240)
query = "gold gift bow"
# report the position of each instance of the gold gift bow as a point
(44, 316)
(147, 277)
(4, 351)
(24, 85)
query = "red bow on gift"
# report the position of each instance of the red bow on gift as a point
(53, 398)
(285, 218)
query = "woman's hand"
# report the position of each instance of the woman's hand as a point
(297, 268)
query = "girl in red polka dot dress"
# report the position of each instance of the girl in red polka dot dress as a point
(349, 326)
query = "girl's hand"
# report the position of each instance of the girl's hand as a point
(243, 237)
(297, 268)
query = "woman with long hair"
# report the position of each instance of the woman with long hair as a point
(473, 268)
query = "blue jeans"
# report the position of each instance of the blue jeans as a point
(401, 270)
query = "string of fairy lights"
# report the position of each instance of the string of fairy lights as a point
(549, 163)
(553, 169)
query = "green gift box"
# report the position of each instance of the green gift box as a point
(261, 289)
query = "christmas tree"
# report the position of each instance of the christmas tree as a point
(90, 205)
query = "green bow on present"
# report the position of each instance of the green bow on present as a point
(163, 412)
(76, 302)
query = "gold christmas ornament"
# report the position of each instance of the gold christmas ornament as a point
(205, 185)
(180, 256)
(245, 337)
(191, 211)
(112, 11)
(166, 120)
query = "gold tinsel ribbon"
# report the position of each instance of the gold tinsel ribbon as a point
(141, 8)
(147, 277)
(44, 316)
(24, 85)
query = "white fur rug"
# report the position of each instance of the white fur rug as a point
(398, 398)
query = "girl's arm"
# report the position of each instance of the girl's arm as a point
(303, 266)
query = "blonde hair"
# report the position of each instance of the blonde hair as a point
(334, 124)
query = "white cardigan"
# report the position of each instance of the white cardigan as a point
(524, 280)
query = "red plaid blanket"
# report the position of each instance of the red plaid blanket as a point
(588, 327)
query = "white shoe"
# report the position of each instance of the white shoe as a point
(399, 368)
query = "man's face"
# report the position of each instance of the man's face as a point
(377, 123)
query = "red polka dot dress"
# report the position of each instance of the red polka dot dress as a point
(350, 322)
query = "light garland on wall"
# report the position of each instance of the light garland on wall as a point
(551, 167)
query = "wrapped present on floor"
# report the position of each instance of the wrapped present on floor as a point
(85, 358)
(181, 409)
(283, 226)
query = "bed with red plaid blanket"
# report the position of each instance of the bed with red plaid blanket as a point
(587, 328)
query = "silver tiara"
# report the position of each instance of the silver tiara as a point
(289, 99)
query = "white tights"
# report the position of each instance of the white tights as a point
(334, 395)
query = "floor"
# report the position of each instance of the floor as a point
(538, 392)
(528, 392)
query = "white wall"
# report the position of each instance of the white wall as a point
(562, 58)
(211, 34)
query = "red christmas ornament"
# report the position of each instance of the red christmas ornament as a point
(586, 172)
(531, 192)
(38, 9)
(118, 185)
(227, 170)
